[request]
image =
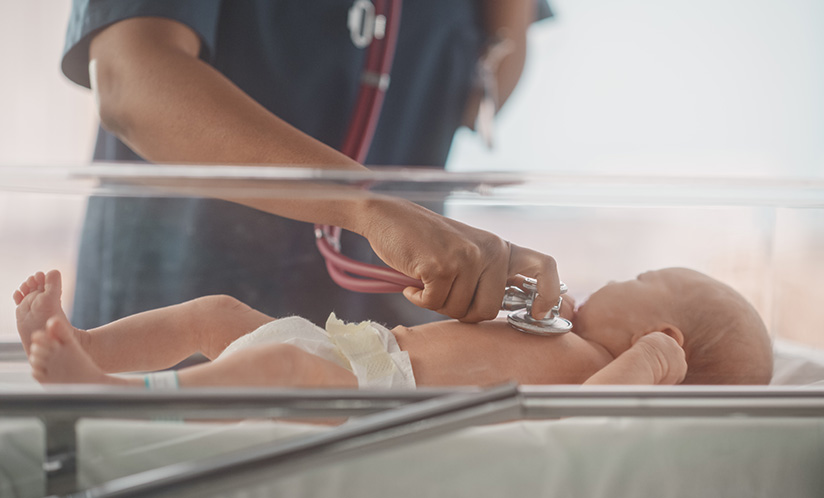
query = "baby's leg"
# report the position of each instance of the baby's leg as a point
(37, 300)
(655, 358)
(281, 365)
(160, 338)
(152, 340)
(56, 357)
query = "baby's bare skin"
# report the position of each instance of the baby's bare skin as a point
(454, 353)
(37, 300)
(442, 353)
(57, 356)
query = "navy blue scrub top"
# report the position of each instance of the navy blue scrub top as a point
(296, 59)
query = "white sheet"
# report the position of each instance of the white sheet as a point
(796, 364)
(575, 457)
(595, 457)
(592, 457)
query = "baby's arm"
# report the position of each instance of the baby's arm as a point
(655, 358)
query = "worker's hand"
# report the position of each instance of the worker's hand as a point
(568, 307)
(464, 270)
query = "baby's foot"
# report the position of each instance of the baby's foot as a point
(37, 300)
(56, 357)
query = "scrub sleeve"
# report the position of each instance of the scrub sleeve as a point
(295, 58)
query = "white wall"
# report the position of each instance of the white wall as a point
(706, 87)
(44, 119)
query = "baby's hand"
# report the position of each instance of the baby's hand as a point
(665, 357)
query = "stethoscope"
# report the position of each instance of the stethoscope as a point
(375, 24)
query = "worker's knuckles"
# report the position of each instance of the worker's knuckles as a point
(532, 264)
(476, 315)
(433, 297)
(438, 272)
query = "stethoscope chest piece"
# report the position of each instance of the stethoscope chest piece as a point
(522, 320)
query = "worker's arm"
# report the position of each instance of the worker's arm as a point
(159, 98)
(504, 21)
(510, 19)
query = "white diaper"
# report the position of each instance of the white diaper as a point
(367, 349)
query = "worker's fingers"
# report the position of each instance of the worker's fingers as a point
(489, 276)
(488, 297)
(542, 268)
(568, 307)
(437, 284)
(460, 295)
(567, 304)
(517, 280)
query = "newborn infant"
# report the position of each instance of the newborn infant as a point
(667, 326)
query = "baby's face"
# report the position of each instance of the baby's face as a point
(620, 312)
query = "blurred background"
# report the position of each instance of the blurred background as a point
(639, 87)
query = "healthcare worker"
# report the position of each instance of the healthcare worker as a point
(275, 82)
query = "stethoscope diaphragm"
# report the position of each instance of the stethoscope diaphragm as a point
(521, 319)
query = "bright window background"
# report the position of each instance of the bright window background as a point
(699, 87)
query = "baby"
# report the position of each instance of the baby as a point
(665, 327)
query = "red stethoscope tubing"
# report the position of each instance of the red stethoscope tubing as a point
(369, 279)
(344, 271)
(378, 65)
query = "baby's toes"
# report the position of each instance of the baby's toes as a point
(24, 288)
(40, 337)
(39, 358)
(31, 282)
(41, 344)
(39, 374)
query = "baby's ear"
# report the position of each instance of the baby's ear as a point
(666, 328)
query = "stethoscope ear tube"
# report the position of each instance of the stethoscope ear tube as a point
(374, 80)
(374, 83)
(370, 278)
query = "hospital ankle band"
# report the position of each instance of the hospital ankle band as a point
(160, 381)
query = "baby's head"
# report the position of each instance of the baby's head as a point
(724, 338)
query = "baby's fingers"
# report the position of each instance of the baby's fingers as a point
(666, 356)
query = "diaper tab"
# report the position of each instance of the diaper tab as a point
(373, 353)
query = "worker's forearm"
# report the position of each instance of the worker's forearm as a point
(510, 19)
